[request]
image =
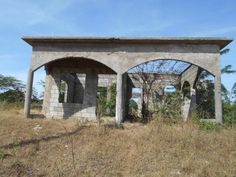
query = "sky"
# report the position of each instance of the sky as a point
(110, 18)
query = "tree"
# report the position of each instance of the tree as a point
(226, 95)
(228, 70)
(224, 51)
(146, 74)
(10, 83)
(206, 94)
(143, 74)
(13, 90)
(11, 96)
(233, 92)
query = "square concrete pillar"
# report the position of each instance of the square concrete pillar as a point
(119, 100)
(28, 93)
(47, 91)
(90, 93)
(218, 99)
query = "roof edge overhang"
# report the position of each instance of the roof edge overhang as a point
(220, 41)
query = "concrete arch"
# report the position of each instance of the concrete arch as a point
(36, 66)
(203, 65)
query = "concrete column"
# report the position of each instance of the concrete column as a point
(119, 99)
(108, 110)
(90, 92)
(193, 101)
(28, 93)
(47, 91)
(66, 93)
(79, 88)
(218, 101)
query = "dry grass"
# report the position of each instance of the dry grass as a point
(156, 149)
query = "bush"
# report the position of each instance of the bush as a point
(208, 125)
(133, 106)
(12, 96)
(171, 107)
(18, 105)
(229, 114)
(111, 104)
(14, 105)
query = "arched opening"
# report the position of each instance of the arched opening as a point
(205, 95)
(169, 89)
(165, 86)
(73, 85)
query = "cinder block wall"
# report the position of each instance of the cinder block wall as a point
(81, 91)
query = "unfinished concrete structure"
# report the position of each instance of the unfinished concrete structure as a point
(93, 56)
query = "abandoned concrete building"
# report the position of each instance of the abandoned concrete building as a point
(83, 65)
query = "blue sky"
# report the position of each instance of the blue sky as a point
(151, 18)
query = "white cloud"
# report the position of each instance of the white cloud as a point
(28, 13)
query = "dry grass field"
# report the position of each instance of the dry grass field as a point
(68, 148)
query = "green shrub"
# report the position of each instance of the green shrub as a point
(8, 106)
(171, 106)
(133, 106)
(229, 114)
(18, 105)
(111, 104)
(208, 125)
(2, 154)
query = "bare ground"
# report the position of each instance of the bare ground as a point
(68, 148)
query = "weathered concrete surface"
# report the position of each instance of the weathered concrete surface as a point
(119, 99)
(128, 53)
(28, 94)
(120, 55)
(190, 75)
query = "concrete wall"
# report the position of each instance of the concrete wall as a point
(121, 57)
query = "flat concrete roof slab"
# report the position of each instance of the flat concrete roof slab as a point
(221, 42)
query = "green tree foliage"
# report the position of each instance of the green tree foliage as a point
(13, 90)
(11, 96)
(229, 111)
(224, 51)
(205, 99)
(233, 92)
(105, 107)
(228, 70)
(133, 107)
(206, 96)
(10, 83)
